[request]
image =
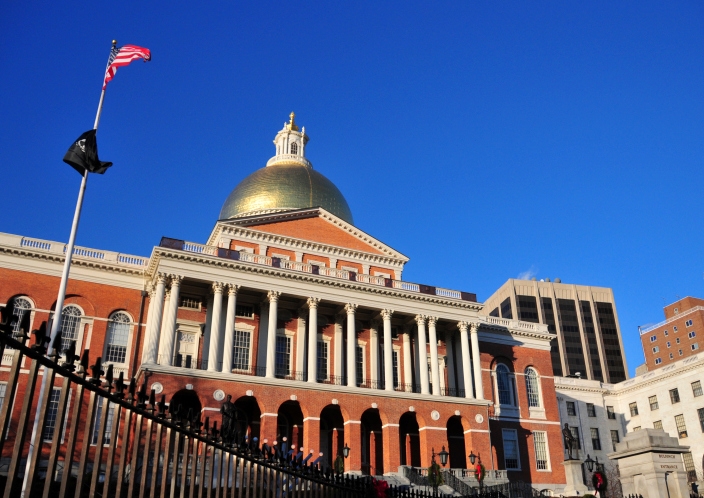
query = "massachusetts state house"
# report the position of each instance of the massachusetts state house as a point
(306, 322)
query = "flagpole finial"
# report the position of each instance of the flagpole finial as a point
(114, 43)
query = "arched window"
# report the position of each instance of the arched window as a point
(117, 337)
(70, 321)
(532, 388)
(503, 385)
(22, 306)
(294, 148)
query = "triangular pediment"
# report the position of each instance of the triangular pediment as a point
(312, 225)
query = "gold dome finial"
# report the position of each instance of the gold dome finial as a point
(292, 124)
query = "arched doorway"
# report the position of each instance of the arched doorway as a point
(332, 434)
(185, 403)
(372, 443)
(409, 439)
(247, 417)
(290, 424)
(455, 442)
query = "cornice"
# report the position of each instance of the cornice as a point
(75, 261)
(635, 383)
(160, 252)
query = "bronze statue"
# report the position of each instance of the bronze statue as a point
(228, 426)
(569, 441)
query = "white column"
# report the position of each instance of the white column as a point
(229, 343)
(215, 327)
(476, 361)
(422, 356)
(313, 339)
(434, 364)
(168, 329)
(151, 342)
(374, 354)
(271, 334)
(339, 342)
(407, 362)
(388, 351)
(263, 336)
(450, 351)
(466, 365)
(351, 345)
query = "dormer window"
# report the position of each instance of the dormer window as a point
(294, 148)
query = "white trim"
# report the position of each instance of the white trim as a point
(268, 415)
(432, 428)
(311, 418)
(389, 425)
(352, 422)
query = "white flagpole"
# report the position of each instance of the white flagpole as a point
(34, 443)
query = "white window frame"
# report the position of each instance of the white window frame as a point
(248, 250)
(688, 323)
(244, 327)
(505, 409)
(128, 346)
(653, 338)
(658, 360)
(291, 361)
(328, 342)
(547, 451)
(7, 355)
(518, 451)
(353, 269)
(695, 346)
(363, 345)
(381, 274)
(316, 263)
(285, 257)
(692, 334)
(656, 349)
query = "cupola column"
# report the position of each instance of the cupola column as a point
(434, 363)
(273, 297)
(313, 339)
(422, 356)
(229, 347)
(476, 361)
(388, 351)
(214, 345)
(466, 362)
(151, 342)
(168, 330)
(351, 345)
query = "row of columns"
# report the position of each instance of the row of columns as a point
(161, 332)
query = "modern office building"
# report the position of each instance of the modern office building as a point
(304, 319)
(677, 337)
(587, 337)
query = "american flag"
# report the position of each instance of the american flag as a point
(122, 57)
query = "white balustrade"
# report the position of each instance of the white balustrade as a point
(439, 291)
(369, 279)
(398, 284)
(296, 266)
(36, 244)
(333, 272)
(200, 248)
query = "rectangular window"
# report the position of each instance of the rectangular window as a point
(634, 409)
(671, 356)
(658, 361)
(591, 411)
(596, 442)
(283, 356)
(108, 424)
(577, 439)
(666, 333)
(681, 427)
(689, 467)
(541, 450)
(359, 365)
(680, 351)
(700, 412)
(657, 424)
(674, 396)
(669, 344)
(610, 413)
(656, 349)
(697, 388)
(511, 461)
(244, 310)
(118, 335)
(692, 334)
(395, 369)
(240, 356)
(322, 373)
(571, 409)
(674, 328)
(677, 340)
(189, 302)
(653, 338)
(615, 439)
(653, 400)
(51, 414)
(695, 346)
(688, 323)
(3, 390)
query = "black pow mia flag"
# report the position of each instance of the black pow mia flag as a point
(83, 155)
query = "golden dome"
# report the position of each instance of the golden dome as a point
(281, 187)
(287, 182)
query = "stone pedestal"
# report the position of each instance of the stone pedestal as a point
(575, 483)
(650, 464)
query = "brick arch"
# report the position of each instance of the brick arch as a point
(456, 441)
(503, 360)
(409, 439)
(85, 304)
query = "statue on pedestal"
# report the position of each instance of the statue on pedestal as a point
(569, 441)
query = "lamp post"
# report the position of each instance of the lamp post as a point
(434, 472)
(592, 465)
(346, 451)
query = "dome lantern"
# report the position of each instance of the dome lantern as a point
(290, 145)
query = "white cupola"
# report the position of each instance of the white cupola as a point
(290, 145)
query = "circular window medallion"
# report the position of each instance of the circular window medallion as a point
(219, 395)
(250, 393)
(479, 418)
(435, 415)
(157, 387)
(411, 408)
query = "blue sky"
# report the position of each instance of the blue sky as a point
(484, 140)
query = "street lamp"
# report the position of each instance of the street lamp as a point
(443, 456)
(590, 463)
(472, 457)
(346, 451)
